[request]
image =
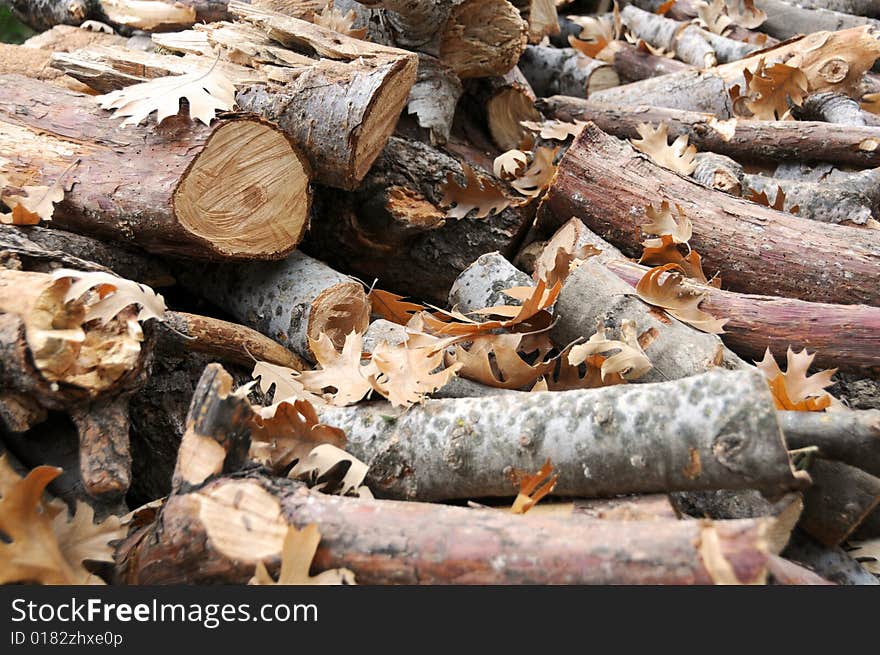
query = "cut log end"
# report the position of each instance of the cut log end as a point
(504, 113)
(483, 37)
(247, 193)
(339, 310)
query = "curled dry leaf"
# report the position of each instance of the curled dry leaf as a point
(41, 543)
(663, 9)
(778, 204)
(530, 493)
(476, 194)
(630, 361)
(330, 469)
(36, 203)
(584, 375)
(596, 33)
(510, 164)
(333, 19)
(340, 371)
(392, 307)
(284, 380)
(668, 252)
(561, 255)
(405, 375)
(297, 553)
(679, 157)
(711, 16)
(205, 91)
(494, 360)
(113, 294)
(644, 46)
(287, 431)
(770, 88)
(867, 553)
(97, 26)
(539, 175)
(553, 129)
(794, 390)
(745, 14)
(664, 223)
(666, 287)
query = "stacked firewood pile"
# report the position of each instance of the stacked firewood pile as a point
(448, 291)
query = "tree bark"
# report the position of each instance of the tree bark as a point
(718, 172)
(833, 564)
(505, 101)
(851, 437)
(786, 20)
(686, 41)
(786, 572)
(840, 498)
(393, 227)
(157, 187)
(633, 64)
(121, 14)
(565, 71)
(745, 139)
(434, 97)
(602, 179)
(291, 301)
(831, 108)
(461, 448)
(363, 86)
(482, 284)
(855, 7)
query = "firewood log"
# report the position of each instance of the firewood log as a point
(364, 86)
(209, 537)
(745, 139)
(633, 64)
(551, 71)
(482, 284)
(35, 63)
(291, 301)
(583, 433)
(505, 101)
(840, 498)
(855, 7)
(183, 189)
(719, 172)
(832, 563)
(393, 229)
(831, 108)
(785, 572)
(121, 14)
(851, 437)
(686, 41)
(66, 38)
(602, 180)
(434, 97)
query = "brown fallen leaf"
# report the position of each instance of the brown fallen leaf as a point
(285, 382)
(510, 164)
(555, 130)
(405, 375)
(479, 195)
(667, 252)
(778, 204)
(584, 375)
(494, 360)
(206, 91)
(392, 307)
(36, 203)
(539, 175)
(630, 361)
(794, 390)
(340, 371)
(678, 157)
(871, 102)
(663, 9)
(712, 17)
(287, 431)
(745, 14)
(770, 88)
(644, 46)
(665, 286)
(297, 553)
(561, 255)
(664, 223)
(330, 469)
(334, 19)
(529, 492)
(114, 294)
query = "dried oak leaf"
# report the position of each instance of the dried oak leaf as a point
(405, 375)
(778, 204)
(341, 371)
(596, 33)
(35, 204)
(539, 175)
(529, 492)
(205, 91)
(510, 164)
(113, 294)
(711, 16)
(794, 390)
(287, 431)
(584, 375)
(553, 129)
(668, 252)
(630, 361)
(664, 223)
(476, 194)
(745, 14)
(663, 9)
(644, 46)
(666, 287)
(330, 469)
(392, 307)
(334, 19)
(561, 255)
(494, 360)
(286, 383)
(297, 554)
(771, 87)
(41, 544)
(678, 157)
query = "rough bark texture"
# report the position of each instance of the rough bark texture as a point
(592, 293)
(290, 301)
(718, 172)
(393, 229)
(745, 139)
(838, 501)
(482, 284)
(831, 108)
(713, 431)
(633, 64)
(434, 96)
(852, 437)
(603, 181)
(786, 572)
(565, 71)
(505, 101)
(135, 185)
(831, 563)
(686, 41)
(121, 14)
(786, 20)
(852, 200)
